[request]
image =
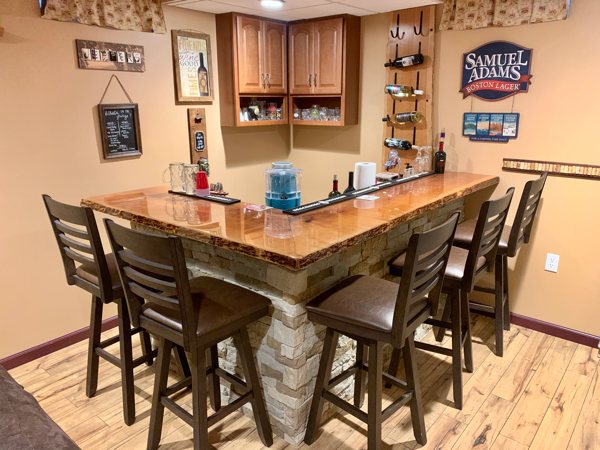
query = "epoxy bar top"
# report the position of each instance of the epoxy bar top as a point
(290, 241)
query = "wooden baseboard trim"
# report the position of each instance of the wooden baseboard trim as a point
(10, 362)
(555, 330)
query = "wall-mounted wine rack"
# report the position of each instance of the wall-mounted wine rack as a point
(560, 169)
(411, 31)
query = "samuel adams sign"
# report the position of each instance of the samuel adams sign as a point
(496, 70)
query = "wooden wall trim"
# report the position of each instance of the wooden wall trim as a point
(12, 361)
(555, 330)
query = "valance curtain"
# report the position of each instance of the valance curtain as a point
(471, 14)
(134, 15)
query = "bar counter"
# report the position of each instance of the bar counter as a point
(292, 259)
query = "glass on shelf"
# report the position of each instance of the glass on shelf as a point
(314, 112)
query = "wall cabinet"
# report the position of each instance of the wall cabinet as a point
(252, 56)
(324, 62)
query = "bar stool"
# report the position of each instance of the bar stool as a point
(194, 314)
(87, 267)
(374, 312)
(511, 240)
(464, 268)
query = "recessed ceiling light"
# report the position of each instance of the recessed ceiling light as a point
(271, 4)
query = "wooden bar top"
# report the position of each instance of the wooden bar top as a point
(290, 241)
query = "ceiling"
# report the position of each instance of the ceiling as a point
(301, 9)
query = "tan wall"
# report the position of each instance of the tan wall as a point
(559, 122)
(49, 144)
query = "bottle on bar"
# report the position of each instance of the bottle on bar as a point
(440, 155)
(397, 143)
(405, 117)
(350, 187)
(334, 192)
(202, 77)
(401, 91)
(405, 61)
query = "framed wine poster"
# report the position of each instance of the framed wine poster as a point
(192, 67)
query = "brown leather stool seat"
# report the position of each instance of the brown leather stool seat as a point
(375, 312)
(463, 269)
(510, 241)
(87, 267)
(194, 315)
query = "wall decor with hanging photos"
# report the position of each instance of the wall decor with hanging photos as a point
(110, 56)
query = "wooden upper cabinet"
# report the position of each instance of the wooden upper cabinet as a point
(262, 60)
(301, 57)
(328, 56)
(250, 58)
(317, 56)
(275, 57)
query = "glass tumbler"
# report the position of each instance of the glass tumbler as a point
(189, 177)
(175, 175)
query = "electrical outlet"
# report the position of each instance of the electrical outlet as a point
(552, 262)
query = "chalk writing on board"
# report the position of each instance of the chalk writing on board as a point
(120, 130)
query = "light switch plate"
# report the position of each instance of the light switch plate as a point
(552, 262)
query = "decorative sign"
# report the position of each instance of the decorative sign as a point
(496, 70)
(563, 169)
(192, 62)
(491, 127)
(197, 131)
(120, 130)
(109, 56)
(199, 135)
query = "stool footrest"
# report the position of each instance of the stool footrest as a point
(439, 324)
(179, 386)
(396, 405)
(481, 308)
(230, 408)
(108, 356)
(231, 378)
(395, 381)
(433, 348)
(144, 358)
(345, 374)
(108, 342)
(348, 407)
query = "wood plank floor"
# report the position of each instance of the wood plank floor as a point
(543, 394)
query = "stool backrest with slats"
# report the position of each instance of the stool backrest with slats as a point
(528, 206)
(154, 274)
(422, 278)
(488, 231)
(79, 243)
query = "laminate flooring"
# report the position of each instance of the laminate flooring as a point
(543, 394)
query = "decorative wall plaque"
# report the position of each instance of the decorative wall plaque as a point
(491, 127)
(110, 56)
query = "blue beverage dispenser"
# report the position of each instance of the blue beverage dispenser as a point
(283, 185)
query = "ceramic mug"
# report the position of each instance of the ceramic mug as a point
(175, 174)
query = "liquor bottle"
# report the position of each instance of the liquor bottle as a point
(203, 77)
(440, 155)
(405, 61)
(400, 91)
(397, 143)
(334, 192)
(406, 117)
(350, 187)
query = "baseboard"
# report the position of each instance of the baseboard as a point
(10, 362)
(555, 330)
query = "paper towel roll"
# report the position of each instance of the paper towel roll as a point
(364, 174)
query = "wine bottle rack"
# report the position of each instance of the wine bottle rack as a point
(411, 31)
(560, 169)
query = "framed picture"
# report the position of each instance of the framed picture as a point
(120, 130)
(192, 67)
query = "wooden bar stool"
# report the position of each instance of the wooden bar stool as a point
(87, 267)
(374, 312)
(464, 268)
(194, 314)
(511, 240)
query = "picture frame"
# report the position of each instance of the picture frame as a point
(192, 66)
(120, 130)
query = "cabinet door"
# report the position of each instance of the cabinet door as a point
(301, 58)
(329, 35)
(275, 59)
(249, 58)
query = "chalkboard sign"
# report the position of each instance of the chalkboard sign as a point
(120, 130)
(199, 141)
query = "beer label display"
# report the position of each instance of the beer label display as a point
(496, 70)
(491, 127)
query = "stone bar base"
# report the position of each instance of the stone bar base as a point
(287, 345)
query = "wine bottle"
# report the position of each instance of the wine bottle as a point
(406, 117)
(397, 143)
(405, 61)
(400, 91)
(334, 192)
(203, 77)
(440, 155)
(350, 187)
